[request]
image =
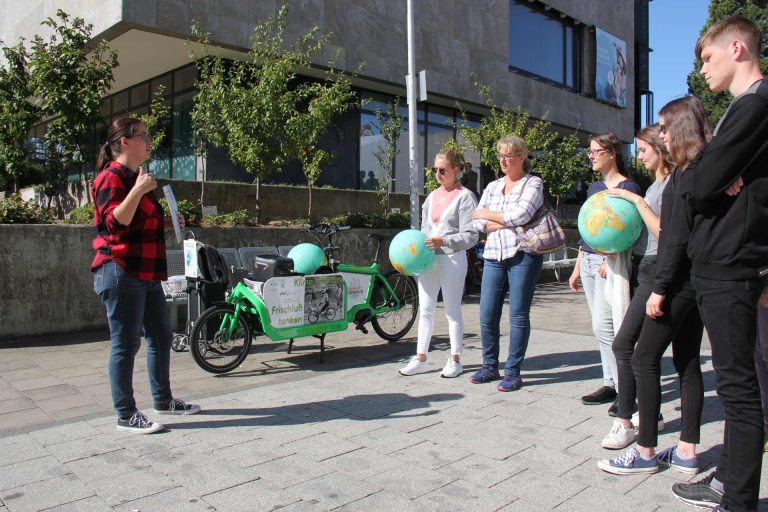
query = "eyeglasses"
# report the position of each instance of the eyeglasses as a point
(146, 137)
(507, 156)
(440, 170)
(596, 152)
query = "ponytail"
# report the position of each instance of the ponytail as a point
(123, 127)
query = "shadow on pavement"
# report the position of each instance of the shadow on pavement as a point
(356, 407)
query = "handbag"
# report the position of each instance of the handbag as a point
(542, 234)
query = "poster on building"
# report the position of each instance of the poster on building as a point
(296, 301)
(611, 69)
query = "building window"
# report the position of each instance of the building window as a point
(435, 126)
(543, 44)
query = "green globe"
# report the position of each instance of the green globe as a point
(409, 254)
(307, 258)
(609, 224)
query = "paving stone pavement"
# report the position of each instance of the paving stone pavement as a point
(286, 433)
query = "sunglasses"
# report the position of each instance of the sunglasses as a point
(440, 170)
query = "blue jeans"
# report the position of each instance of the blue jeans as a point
(602, 316)
(519, 275)
(134, 307)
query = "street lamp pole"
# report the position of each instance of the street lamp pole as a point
(412, 120)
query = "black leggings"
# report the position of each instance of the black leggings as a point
(680, 325)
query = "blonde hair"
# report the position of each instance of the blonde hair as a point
(452, 157)
(518, 147)
(737, 26)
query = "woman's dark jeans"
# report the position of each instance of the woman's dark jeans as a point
(519, 275)
(134, 307)
(681, 326)
(643, 273)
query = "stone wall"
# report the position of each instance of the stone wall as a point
(47, 287)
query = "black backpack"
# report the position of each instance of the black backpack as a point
(212, 265)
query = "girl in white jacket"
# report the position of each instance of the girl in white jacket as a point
(447, 222)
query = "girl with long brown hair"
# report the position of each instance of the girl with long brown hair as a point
(672, 314)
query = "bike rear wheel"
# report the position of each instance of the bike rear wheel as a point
(393, 325)
(218, 345)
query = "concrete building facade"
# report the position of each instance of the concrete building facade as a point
(538, 55)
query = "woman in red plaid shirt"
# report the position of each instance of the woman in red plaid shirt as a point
(129, 241)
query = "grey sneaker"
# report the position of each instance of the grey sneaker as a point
(138, 423)
(670, 458)
(177, 407)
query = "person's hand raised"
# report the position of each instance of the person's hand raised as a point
(145, 182)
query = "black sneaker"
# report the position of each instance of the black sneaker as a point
(177, 407)
(602, 396)
(138, 424)
(614, 408)
(699, 494)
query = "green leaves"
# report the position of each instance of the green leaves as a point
(558, 161)
(259, 110)
(715, 104)
(390, 127)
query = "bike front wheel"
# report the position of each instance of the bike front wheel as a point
(393, 325)
(218, 342)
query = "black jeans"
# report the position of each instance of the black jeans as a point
(681, 326)
(643, 273)
(729, 310)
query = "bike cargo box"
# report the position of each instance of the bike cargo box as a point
(270, 265)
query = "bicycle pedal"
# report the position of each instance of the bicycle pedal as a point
(361, 327)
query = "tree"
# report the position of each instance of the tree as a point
(562, 166)
(17, 113)
(159, 110)
(258, 110)
(390, 128)
(715, 104)
(559, 160)
(501, 122)
(69, 77)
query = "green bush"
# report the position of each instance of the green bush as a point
(236, 218)
(191, 211)
(82, 215)
(371, 220)
(14, 210)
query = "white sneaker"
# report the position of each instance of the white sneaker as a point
(619, 437)
(659, 426)
(452, 369)
(414, 367)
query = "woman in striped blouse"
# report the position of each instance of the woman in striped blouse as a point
(506, 203)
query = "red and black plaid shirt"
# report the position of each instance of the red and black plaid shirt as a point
(139, 248)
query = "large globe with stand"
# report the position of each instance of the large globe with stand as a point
(409, 254)
(609, 224)
(307, 258)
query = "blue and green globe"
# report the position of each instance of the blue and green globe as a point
(609, 224)
(307, 258)
(409, 254)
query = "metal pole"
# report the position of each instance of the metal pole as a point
(412, 121)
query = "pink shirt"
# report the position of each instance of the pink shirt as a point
(441, 198)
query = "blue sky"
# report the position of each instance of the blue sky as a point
(674, 29)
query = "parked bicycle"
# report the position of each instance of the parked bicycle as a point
(275, 307)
